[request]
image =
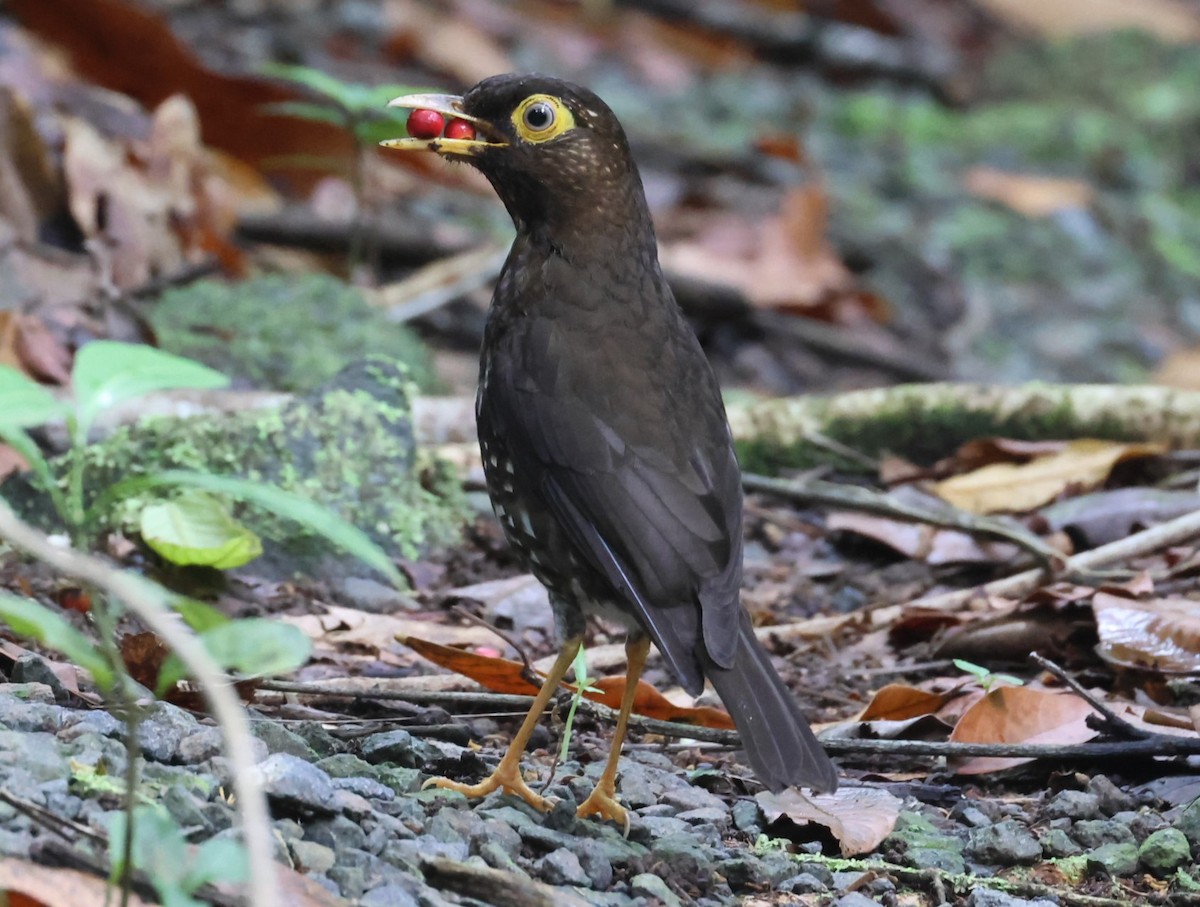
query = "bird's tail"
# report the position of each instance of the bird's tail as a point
(779, 744)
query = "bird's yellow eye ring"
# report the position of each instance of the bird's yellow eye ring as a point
(541, 117)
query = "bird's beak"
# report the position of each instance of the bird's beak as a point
(448, 105)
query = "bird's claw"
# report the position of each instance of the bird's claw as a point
(507, 780)
(602, 802)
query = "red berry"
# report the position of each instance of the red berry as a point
(460, 129)
(425, 124)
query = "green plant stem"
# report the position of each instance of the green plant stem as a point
(75, 512)
(150, 603)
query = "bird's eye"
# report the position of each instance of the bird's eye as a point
(541, 117)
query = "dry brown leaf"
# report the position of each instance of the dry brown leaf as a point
(1021, 715)
(781, 262)
(339, 626)
(521, 601)
(500, 675)
(897, 702)
(1169, 20)
(860, 818)
(1162, 633)
(1004, 487)
(22, 882)
(921, 542)
(1025, 193)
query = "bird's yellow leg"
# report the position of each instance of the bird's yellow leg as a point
(602, 801)
(507, 775)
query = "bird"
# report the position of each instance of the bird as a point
(606, 448)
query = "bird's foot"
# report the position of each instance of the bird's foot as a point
(602, 802)
(506, 778)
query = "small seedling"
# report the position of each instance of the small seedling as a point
(583, 685)
(986, 678)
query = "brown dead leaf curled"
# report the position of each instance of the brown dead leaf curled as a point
(921, 542)
(859, 818)
(1013, 488)
(898, 701)
(1021, 715)
(1162, 634)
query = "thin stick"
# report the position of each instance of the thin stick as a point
(1113, 723)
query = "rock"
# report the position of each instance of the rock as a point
(688, 859)
(352, 805)
(970, 815)
(922, 846)
(322, 742)
(705, 816)
(990, 897)
(855, 899)
(390, 895)
(1116, 859)
(561, 867)
(206, 742)
(690, 798)
(747, 816)
(658, 826)
(1092, 833)
(1188, 822)
(80, 724)
(37, 753)
(1057, 843)
(744, 870)
(397, 747)
(30, 692)
(638, 785)
(31, 668)
(1006, 843)
(20, 715)
(309, 856)
(337, 832)
(653, 889)
(1141, 824)
(804, 883)
(162, 728)
(279, 739)
(1112, 799)
(367, 788)
(1164, 851)
(293, 783)
(398, 780)
(372, 596)
(1073, 804)
(185, 808)
(595, 862)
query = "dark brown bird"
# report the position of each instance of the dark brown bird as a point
(608, 456)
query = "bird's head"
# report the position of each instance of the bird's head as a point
(554, 152)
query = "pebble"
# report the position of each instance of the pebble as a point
(804, 883)
(1092, 833)
(1164, 851)
(161, 730)
(855, 899)
(1117, 859)
(1005, 843)
(561, 867)
(31, 669)
(654, 889)
(290, 782)
(1112, 798)
(1073, 804)
(990, 897)
(1057, 843)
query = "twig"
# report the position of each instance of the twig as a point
(528, 672)
(1163, 535)
(417, 697)
(438, 283)
(53, 821)
(148, 603)
(817, 491)
(1112, 723)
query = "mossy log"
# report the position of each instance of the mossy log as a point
(923, 422)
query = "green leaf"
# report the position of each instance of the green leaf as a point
(34, 620)
(108, 372)
(19, 441)
(198, 615)
(312, 79)
(254, 647)
(25, 403)
(310, 515)
(196, 529)
(971, 668)
(218, 860)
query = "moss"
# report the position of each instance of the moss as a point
(283, 333)
(349, 448)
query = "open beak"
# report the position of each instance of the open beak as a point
(449, 106)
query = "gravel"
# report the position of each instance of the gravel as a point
(357, 824)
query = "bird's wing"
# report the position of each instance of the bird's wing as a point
(647, 489)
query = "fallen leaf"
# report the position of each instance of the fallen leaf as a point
(921, 542)
(898, 701)
(859, 818)
(780, 262)
(1162, 633)
(25, 883)
(502, 675)
(1021, 715)
(1005, 487)
(520, 601)
(1168, 20)
(1025, 193)
(1106, 516)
